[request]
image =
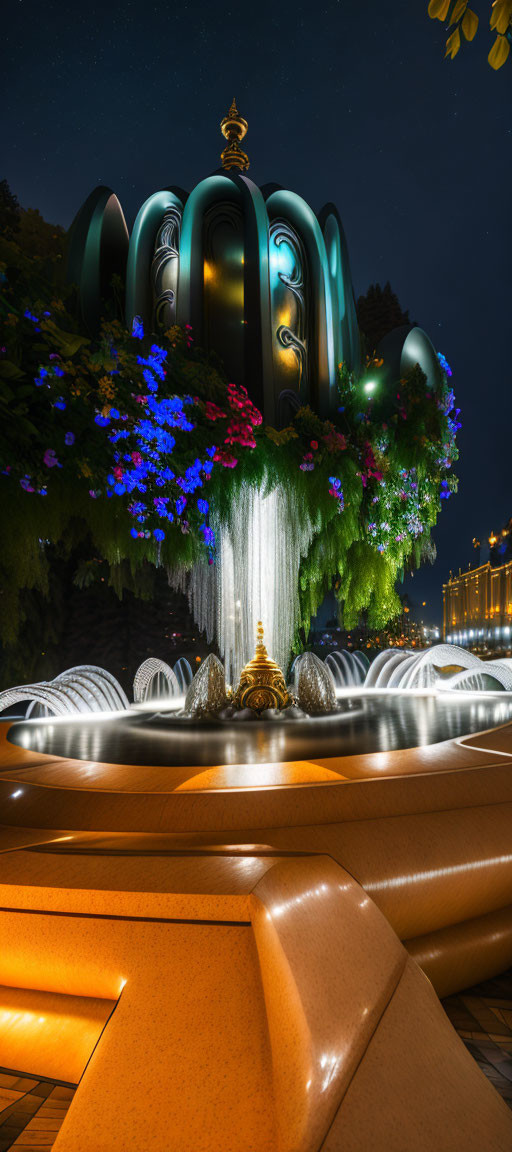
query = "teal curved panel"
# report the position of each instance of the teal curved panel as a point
(318, 341)
(140, 290)
(347, 344)
(405, 347)
(223, 284)
(98, 249)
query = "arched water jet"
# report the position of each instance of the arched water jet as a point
(167, 684)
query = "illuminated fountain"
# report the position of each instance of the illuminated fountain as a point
(255, 577)
(317, 687)
(265, 283)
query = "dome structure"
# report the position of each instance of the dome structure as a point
(261, 279)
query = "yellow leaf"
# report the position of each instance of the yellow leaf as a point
(499, 52)
(453, 44)
(469, 24)
(281, 437)
(501, 15)
(438, 9)
(460, 6)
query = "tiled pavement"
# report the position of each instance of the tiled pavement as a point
(31, 1111)
(483, 1018)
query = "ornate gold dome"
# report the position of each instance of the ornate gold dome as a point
(262, 684)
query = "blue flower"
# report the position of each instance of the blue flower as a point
(138, 328)
(203, 506)
(209, 535)
(158, 534)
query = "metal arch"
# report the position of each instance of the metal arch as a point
(423, 674)
(339, 671)
(401, 669)
(98, 248)
(145, 675)
(346, 670)
(297, 213)
(85, 688)
(463, 680)
(139, 296)
(103, 681)
(363, 661)
(347, 342)
(42, 693)
(239, 190)
(392, 665)
(378, 664)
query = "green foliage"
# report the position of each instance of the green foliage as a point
(369, 480)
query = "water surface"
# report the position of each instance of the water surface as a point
(371, 723)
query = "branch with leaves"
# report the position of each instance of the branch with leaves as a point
(460, 17)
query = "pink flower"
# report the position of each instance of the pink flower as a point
(137, 459)
(213, 412)
(50, 459)
(334, 441)
(225, 458)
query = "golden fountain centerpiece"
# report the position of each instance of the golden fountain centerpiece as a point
(262, 684)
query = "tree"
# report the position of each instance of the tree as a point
(378, 313)
(10, 212)
(464, 22)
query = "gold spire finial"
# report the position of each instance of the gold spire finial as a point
(262, 684)
(234, 128)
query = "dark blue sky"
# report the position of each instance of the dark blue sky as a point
(346, 101)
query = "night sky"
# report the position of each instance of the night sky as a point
(346, 101)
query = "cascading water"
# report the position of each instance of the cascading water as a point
(255, 577)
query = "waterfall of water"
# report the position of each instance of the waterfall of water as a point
(255, 577)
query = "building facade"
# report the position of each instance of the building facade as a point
(477, 607)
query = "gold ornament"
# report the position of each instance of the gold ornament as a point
(262, 684)
(234, 128)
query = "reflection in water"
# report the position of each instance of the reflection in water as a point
(370, 723)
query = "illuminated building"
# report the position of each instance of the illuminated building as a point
(477, 604)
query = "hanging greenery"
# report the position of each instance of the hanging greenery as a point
(130, 443)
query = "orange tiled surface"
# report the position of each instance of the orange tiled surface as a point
(251, 937)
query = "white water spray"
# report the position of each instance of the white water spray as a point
(255, 577)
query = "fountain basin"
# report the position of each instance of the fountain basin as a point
(370, 722)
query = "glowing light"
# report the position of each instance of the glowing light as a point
(14, 795)
(370, 386)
